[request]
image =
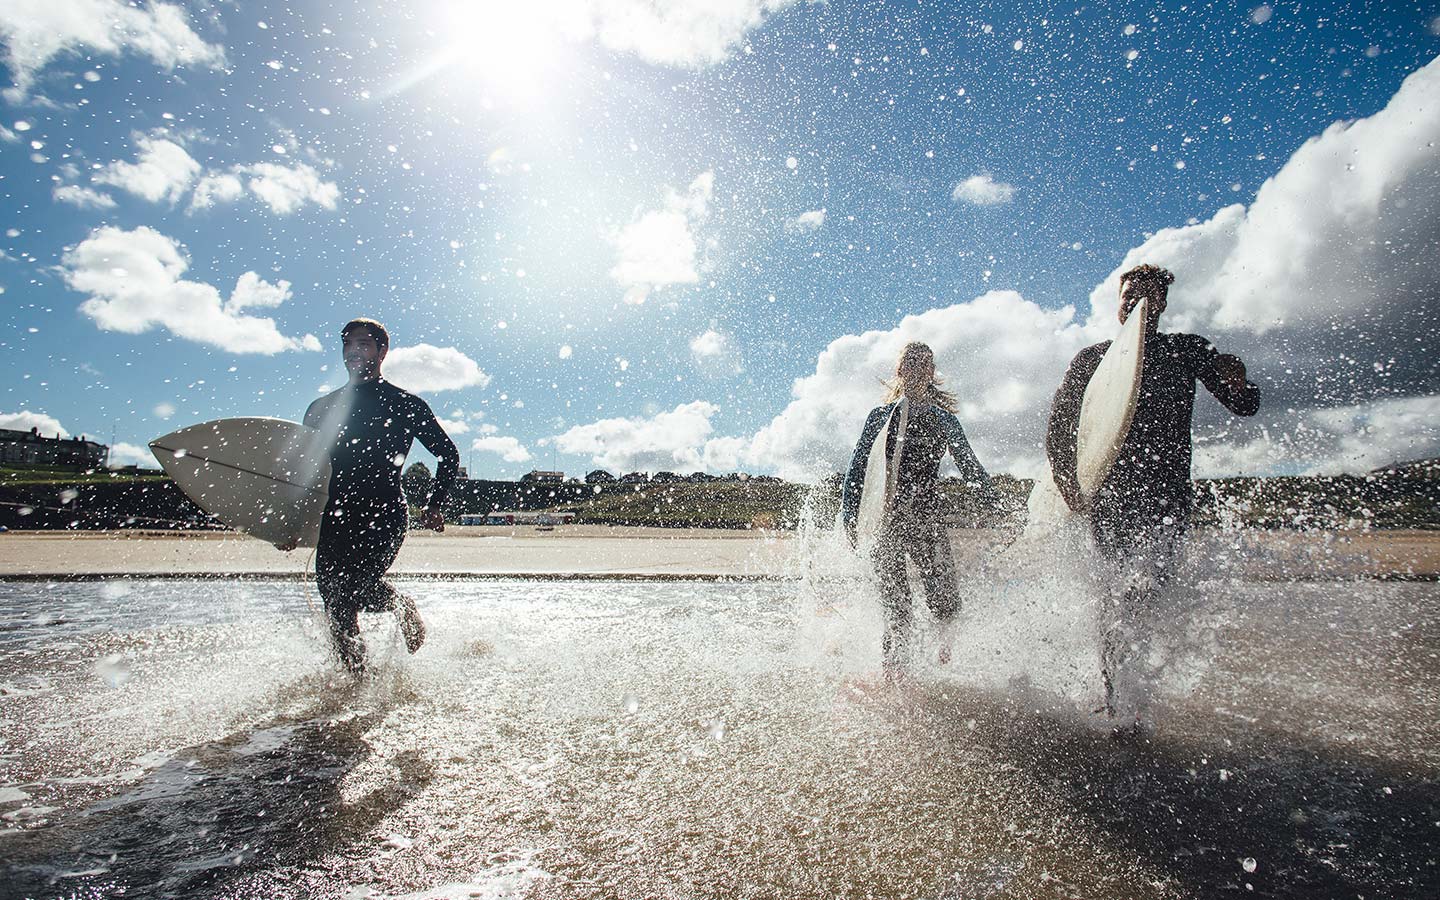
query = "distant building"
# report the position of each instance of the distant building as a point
(634, 478)
(31, 448)
(665, 478)
(541, 475)
(599, 476)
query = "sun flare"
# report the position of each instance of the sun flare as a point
(514, 50)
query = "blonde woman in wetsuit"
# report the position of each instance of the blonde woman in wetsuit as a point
(911, 529)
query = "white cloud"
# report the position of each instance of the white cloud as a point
(252, 291)
(286, 188)
(1369, 435)
(36, 31)
(715, 354)
(454, 426)
(282, 188)
(982, 190)
(508, 448)
(163, 170)
(668, 441)
(216, 187)
(1001, 354)
(806, 222)
(83, 197)
(688, 33)
(135, 284)
(123, 454)
(1327, 441)
(659, 248)
(24, 420)
(424, 368)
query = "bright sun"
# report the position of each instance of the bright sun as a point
(515, 49)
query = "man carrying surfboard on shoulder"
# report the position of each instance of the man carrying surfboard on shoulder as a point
(1140, 512)
(369, 425)
(890, 500)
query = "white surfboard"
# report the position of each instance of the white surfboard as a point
(882, 475)
(1106, 411)
(266, 477)
(1108, 407)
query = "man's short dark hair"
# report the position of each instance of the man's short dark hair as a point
(377, 331)
(1145, 272)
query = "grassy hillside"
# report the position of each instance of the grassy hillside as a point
(730, 504)
(1400, 496)
(71, 478)
(760, 503)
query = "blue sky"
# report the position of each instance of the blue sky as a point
(775, 181)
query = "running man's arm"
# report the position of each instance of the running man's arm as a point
(433, 438)
(971, 472)
(1224, 376)
(1065, 422)
(855, 478)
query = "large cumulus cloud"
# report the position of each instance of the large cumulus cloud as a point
(135, 282)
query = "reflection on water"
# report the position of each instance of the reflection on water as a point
(710, 740)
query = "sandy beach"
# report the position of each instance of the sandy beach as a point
(600, 552)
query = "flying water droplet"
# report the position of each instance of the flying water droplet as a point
(114, 670)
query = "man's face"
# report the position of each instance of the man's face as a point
(1133, 290)
(362, 354)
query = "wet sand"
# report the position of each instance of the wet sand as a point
(590, 551)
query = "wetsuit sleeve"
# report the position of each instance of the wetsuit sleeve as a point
(855, 478)
(433, 438)
(1065, 420)
(1244, 402)
(971, 471)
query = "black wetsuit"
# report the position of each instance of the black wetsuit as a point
(373, 425)
(913, 529)
(1140, 513)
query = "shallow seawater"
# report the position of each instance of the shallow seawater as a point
(563, 739)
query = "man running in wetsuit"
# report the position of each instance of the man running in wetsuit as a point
(912, 528)
(1140, 513)
(369, 425)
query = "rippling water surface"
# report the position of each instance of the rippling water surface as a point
(556, 739)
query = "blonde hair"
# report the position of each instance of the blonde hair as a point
(917, 355)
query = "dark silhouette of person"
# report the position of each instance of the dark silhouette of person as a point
(911, 528)
(369, 426)
(1140, 513)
